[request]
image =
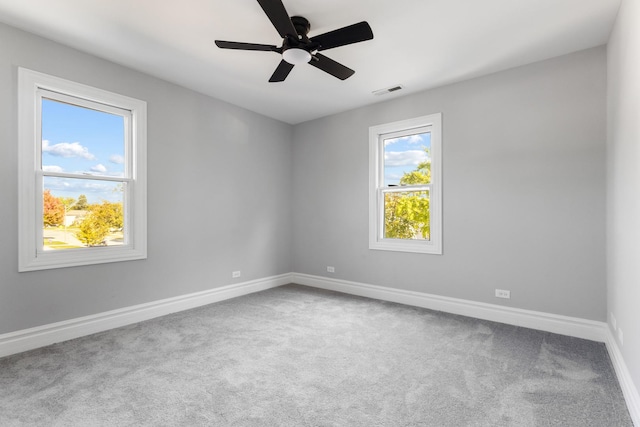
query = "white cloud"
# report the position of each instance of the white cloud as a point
(117, 159)
(99, 168)
(404, 158)
(52, 168)
(393, 177)
(67, 149)
(414, 139)
(411, 139)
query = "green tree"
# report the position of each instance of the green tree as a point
(109, 213)
(53, 209)
(395, 225)
(68, 202)
(421, 175)
(82, 203)
(99, 222)
(92, 231)
(406, 215)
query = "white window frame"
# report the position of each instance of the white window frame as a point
(377, 134)
(32, 86)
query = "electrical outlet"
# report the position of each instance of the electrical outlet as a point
(620, 337)
(331, 269)
(613, 322)
(502, 293)
(235, 274)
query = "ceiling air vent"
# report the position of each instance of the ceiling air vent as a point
(387, 90)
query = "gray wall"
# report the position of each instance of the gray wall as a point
(524, 190)
(219, 194)
(623, 215)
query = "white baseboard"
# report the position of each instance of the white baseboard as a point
(564, 325)
(28, 339)
(629, 389)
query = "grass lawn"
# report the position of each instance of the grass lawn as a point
(55, 244)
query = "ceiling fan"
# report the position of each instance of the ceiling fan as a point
(297, 48)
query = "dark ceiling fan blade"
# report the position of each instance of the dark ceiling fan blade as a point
(343, 36)
(282, 71)
(332, 67)
(247, 46)
(279, 17)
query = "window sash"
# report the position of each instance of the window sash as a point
(78, 101)
(127, 209)
(381, 207)
(405, 188)
(127, 181)
(393, 135)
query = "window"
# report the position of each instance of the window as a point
(405, 185)
(82, 166)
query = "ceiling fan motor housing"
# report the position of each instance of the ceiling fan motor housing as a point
(301, 25)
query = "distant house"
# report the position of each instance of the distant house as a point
(72, 216)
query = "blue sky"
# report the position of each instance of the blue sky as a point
(81, 141)
(403, 155)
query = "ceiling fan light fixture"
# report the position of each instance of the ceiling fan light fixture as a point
(296, 56)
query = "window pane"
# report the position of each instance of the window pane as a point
(407, 160)
(406, 215)
(81, 213)
(82, 141)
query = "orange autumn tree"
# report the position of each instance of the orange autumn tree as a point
(53, 210)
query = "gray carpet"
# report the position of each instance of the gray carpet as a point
(296, 356)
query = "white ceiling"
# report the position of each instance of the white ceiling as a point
(419, 44)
